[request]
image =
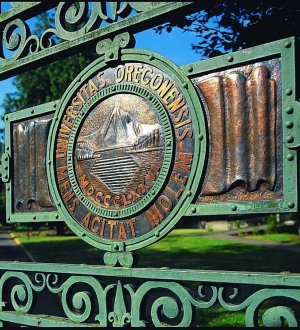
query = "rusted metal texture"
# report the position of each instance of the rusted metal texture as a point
(243, 106)
(30, 186)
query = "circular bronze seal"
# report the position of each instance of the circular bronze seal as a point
(124, 151)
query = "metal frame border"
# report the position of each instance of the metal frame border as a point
(189, 92)
(10, 119)
(285, 50)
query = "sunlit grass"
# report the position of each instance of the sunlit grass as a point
(277, 237)
(183, 248)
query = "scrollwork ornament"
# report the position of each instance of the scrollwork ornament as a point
(270, 318)
(275, 317)
(16, 41)
(45, 40)
(74, 14)
(167, 304)
(82, 300)
(21, 294)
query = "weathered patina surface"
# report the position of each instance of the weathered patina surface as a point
(244, 106)
(135, 144)
(122, 150)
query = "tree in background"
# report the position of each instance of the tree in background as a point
(226, 26)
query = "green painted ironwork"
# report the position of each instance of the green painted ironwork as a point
(190, 95)
(285, 51)
(118, 296)
(10, 119)
(105, 296)
(38, 49)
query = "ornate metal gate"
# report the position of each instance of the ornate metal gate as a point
(136, 143)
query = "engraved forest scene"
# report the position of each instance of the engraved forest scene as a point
(117, 144)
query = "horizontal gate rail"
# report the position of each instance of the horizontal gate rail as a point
(102, 296)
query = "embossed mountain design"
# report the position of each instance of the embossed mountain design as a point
(122, 129)
(119, 138)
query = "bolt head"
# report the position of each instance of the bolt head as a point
(289, 110)
(290, 157)
(234, 208)
(230, 58)
(194, 210)
(288, 92)
(291, 205)
(289, 138)
(287, 44)
(289, 124)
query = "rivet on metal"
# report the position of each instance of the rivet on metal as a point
(194, 210)
(290, 157)
(7, 148)
(157, 234)
(6, 168)
(58, 204)
(34, 217)
(290, 138)
(289, 124)
(83, 234)
(185, 85)
(289, 110)
(116, 247)
(288, 92)
(190, 69)
(189, 193)
(49, 162)
(8, 219)
(230, 58)
(234, 208)
(201, 137)
(6, 159)
(111, 55)
(151, 58)
(8, 189)
(291, 205)
(57, 216)
(6, 118)
(32, 111)
(54, 105)
(288, 44)
(6, 177)
(153, 192)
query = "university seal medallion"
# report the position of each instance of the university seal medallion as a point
(124, 142)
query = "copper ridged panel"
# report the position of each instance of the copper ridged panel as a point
(31, 191)
(242, 106)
